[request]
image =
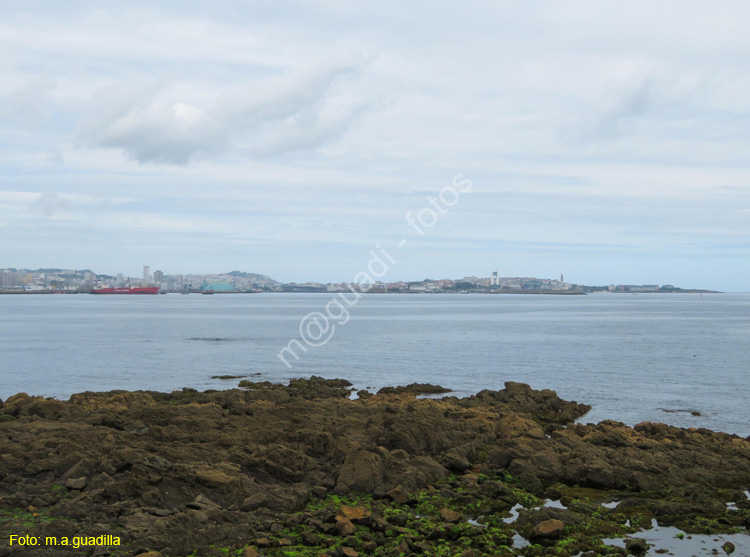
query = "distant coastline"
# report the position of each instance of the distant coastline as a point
(82, 281)
(492, 292)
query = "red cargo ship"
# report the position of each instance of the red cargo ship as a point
(127, 290)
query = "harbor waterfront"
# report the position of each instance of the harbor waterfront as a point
(681, 359)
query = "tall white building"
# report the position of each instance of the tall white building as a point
(146, 277)
(495, 280)
(8, 279)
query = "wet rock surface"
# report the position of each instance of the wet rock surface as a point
(304, 470)
(414, 389)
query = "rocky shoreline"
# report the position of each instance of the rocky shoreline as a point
(303, 470)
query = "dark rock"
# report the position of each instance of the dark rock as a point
(414, 389)
(379, 525)
(456, 462)
(528, 517)
(636, 546)
(319, 491)
(309, 539)
(399, 519)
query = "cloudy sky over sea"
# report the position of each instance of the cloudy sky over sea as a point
(605, 141)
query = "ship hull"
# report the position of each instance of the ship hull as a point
(148, 290)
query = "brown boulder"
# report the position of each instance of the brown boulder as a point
(451, 516)
(76, 483)
(218, 476)
(203, 502)
(344, 526)
(355, 514)
(398, 495)
(254, 501)
(362, 471)
(551, 529)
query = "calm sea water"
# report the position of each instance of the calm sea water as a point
(633, 357)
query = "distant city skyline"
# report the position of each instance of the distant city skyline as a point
(50, 278)
(604, 141)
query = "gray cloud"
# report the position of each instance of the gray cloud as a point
(630, 106)
(50, 204)
(621, 118)
(309, 128)
(32, 103)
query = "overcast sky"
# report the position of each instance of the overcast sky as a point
(606, 141)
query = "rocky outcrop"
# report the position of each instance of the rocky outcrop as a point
(187, 471)
(414, 389)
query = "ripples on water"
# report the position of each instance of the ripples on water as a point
(634, 358)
